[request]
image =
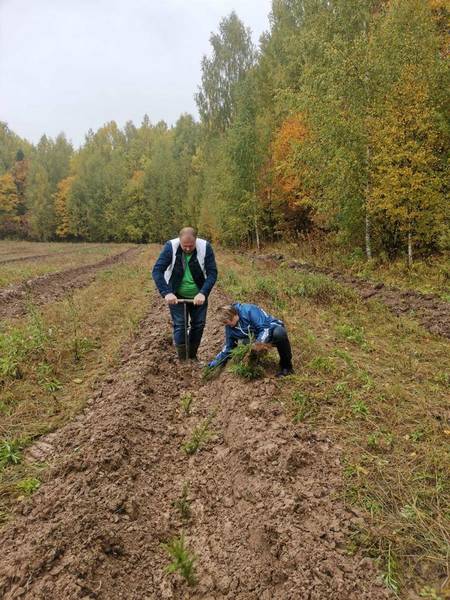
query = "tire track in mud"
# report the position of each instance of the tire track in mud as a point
(432, 312)
(267, 522)
(52, 286)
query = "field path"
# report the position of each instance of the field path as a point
(52, 286)
(267, 522)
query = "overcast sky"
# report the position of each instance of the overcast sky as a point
(71, 65)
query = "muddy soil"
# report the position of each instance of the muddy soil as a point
(52, 286)
(266, 522)
(432, 312)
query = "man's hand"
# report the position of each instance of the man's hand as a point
(199, 299)
(258, 347)
(170, 299)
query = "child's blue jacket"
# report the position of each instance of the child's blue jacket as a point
(253, 322)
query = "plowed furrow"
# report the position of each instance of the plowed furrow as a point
(266, 520)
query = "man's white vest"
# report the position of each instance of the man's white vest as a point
(201, 253)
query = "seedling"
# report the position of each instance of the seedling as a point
(245, 362)
(199, 436)
(210, 373)
(186, 402)
(183, 504)
(182, 559)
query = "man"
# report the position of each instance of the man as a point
(186, 269)
(250, 322)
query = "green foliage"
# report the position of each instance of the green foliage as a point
(322, 290)
(28, 486)
(183, 561)
(199, 436)
(390, 576)
(338, 123)
(17, 344)
(183, 504)
(352, 333)
(322, 364)
(10, 452)
(245, 362)
(303, 406)
(186, 403)
(359, 408)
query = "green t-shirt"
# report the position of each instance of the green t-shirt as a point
(188, 288)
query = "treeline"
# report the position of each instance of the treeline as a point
(337, 122)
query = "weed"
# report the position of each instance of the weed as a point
(390, 577)
(199, 436)
(80, 345)
(267, 286)
(322, 363)
(341, 388)
(53, 385)
(345, 356)
(29, 486)
(430, 593)
(245, 362)
(359, 407)
(183, 504)
(10, 453)
(182, 559)
(45, 378)
(303, 406)
(352, 334)
(186, 402)
(36, 331)
(12, 352)
(417, 435)
(321, 289)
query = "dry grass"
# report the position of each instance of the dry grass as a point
(379, 384)
(70, 345)
(430, 275)
(64, 257)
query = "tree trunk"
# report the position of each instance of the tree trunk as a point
(257, 233)
(368, 238)
(410, 251)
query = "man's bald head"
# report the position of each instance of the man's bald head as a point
(188, 239)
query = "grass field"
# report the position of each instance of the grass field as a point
(376, 383)
(428, 276)
(50, 358)
(379, 384)
(48, 259)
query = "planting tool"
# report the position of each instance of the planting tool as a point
(185, 302)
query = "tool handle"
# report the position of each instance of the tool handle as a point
(184, 301)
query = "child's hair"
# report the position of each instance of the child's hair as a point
(226, 313)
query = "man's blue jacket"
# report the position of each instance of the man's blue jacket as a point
(204, 284)
(253, 322)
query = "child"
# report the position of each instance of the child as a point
(245, 321)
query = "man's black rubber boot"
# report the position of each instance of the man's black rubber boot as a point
(193, 351)
(181, 351)
(285, 371)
